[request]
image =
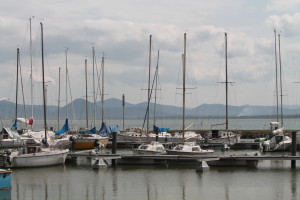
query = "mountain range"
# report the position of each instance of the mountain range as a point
(113, 110)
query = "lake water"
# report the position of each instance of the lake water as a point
(175, 124)
(270, 180)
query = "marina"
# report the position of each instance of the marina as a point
(114, 101)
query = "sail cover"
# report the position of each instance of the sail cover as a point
(159, 130)
(15, 125)
(64, 129)
(90, 131)
(106, 130)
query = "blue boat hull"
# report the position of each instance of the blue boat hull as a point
(5, 179)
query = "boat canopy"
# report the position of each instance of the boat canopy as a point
(64, 129)
(13, 134)
(90, 131)
(159, 130)
(107, 130)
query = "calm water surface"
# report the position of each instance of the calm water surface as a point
(269, 180)
(175, 124)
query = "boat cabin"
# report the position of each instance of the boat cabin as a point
(31, 147)
(154, 146)
(219, 134)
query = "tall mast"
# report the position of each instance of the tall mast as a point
(226, 82)
(31, 82)
(102, 94)
(156, 75)
(149, 75)
(94, 94)
(276, 77)
(58, 102)
(44, 89)
(17, 83)
(280, 80)
(66, 54)
(183, 86)
(86, 96)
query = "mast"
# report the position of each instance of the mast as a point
(86, 97)
(156, 74)
(276, 77)
(183, 87)
(66, 54)
(58, 102)
(123, 105)
(17, 83)
(31, 82)
(102, 94)
(226, 82)
(44, 89)
(94, 87)
(149, 75)
(280, 80)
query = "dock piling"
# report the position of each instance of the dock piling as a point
(114, 147)
(294, 148)
(203, 166)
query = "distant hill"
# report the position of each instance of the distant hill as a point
(114, 110)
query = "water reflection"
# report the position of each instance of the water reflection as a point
(153, 182)
(5, 194)
(294, 184)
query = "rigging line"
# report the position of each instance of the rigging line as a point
(98, 78)
(24, 105)
(70, 92)
(147, 110)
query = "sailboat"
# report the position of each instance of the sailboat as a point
(37, 155)
(216, 136)
(89, 139)
(276, 140)
(150, 147)
(9, 137)
(188, 138)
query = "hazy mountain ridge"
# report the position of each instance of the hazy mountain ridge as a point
(113, 110)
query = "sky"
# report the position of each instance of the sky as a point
(119, 31)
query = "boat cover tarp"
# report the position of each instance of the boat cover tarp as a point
(64, 129)
(114, 129)
(13, 134)
(107, 130)
(104, 130)
(90, 131)
(159, 130)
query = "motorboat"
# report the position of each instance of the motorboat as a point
(5, 179)
(220, 137)
(152, 148)
(188, 148)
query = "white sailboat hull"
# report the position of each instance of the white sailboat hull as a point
(44, 158)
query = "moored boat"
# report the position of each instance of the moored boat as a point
(188, 148)
(5, 179)
(152, 148)
(34, 155)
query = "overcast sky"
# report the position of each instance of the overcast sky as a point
(120, 31)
